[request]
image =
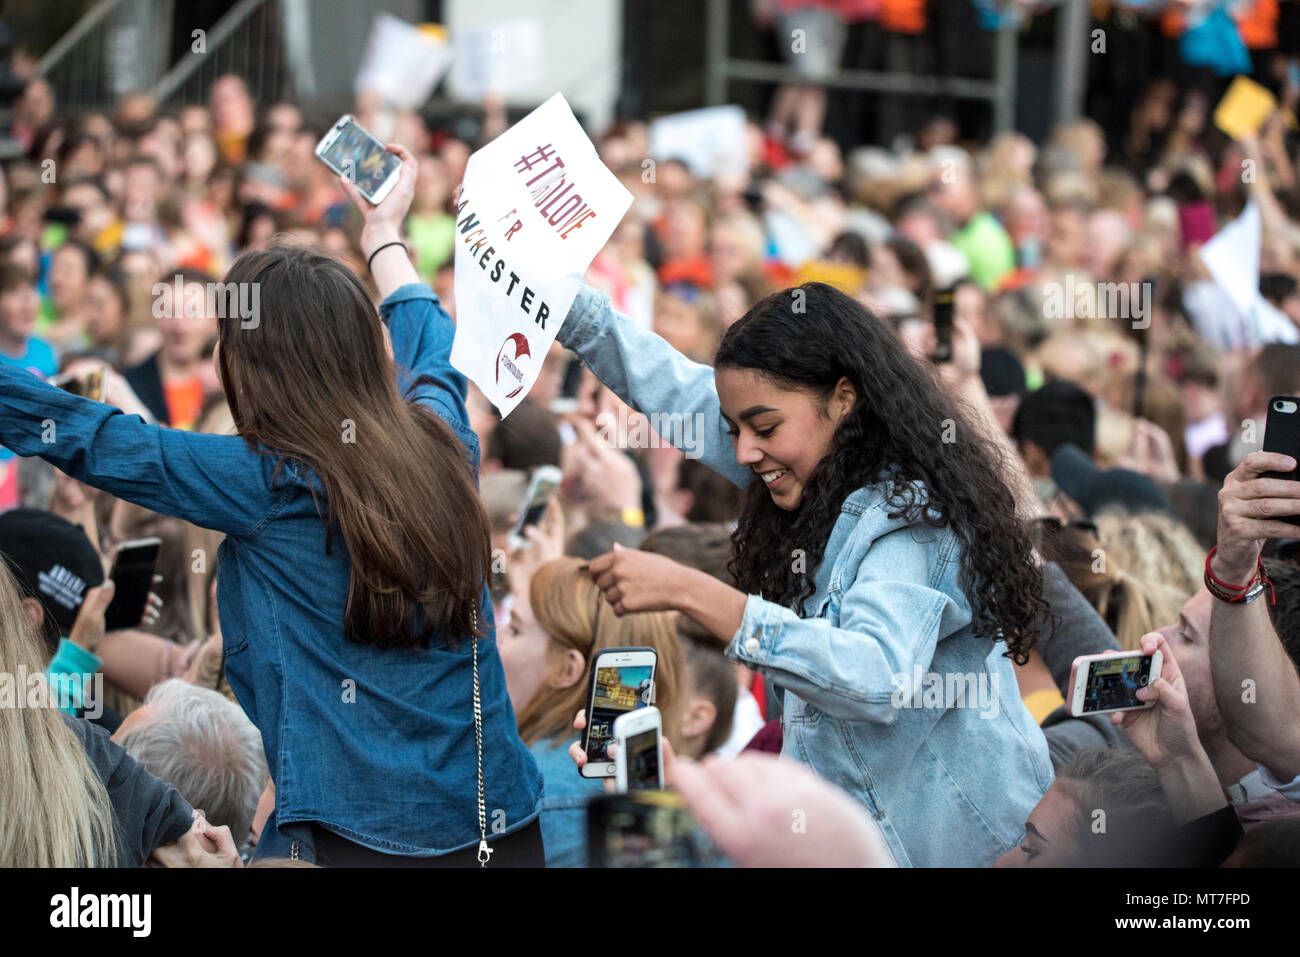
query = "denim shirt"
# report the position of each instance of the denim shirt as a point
(888, 690)
(564, 802)
(374, 744)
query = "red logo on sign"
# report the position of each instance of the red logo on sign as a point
(510, 361)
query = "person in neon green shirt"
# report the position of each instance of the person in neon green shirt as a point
(979, 236)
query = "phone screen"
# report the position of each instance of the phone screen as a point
(358, 155)
(132, 578)
(944, 305)
(646, 829)
(643, 760)
(1114, 682)
(618, 690)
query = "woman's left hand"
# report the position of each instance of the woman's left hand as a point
(633, 580)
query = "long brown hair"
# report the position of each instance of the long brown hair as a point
(312, 381)
(566, 604)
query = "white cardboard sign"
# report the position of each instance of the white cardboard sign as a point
(535, 207)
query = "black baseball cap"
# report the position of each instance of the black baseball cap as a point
(1078, 476)
(53, 561)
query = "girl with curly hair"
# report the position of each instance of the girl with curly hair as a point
(886, 582)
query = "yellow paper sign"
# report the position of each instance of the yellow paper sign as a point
(1244, 108)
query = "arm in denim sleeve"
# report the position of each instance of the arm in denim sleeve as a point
(422, 334)
(651, 376)
(215, 481)
(890, 622)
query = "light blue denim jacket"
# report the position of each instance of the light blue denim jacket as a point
(950, 775)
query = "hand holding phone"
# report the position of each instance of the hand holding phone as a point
(132, 576)
(1282, 436)
(638, 750)
(1100, 684)
(360, 159)
(622, 680)
(537, 498)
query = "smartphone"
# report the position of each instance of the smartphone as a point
(1282, 434)
(1109, 682)
(646, 829)
(90, 385)
(541, 489)
(944, 305)
(353, 153)
(566, 402)
(622, 680)
(132, 575)
(639, 757)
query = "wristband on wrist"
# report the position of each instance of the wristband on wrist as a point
(392, 242)
(1238, 594)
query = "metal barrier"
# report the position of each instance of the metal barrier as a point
(124, 46)
(246, 42)
(117, 47)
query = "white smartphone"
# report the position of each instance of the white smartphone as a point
(622, 680)
(353, 153)
(639, 751)
(541, 489)
(1109, 682)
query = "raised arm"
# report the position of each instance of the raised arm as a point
(1254, 678)
(420, 329)
(215, 481)
(652, 377)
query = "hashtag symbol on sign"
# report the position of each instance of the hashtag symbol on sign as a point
(532, 159)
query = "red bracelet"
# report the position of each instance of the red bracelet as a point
(1238, 594)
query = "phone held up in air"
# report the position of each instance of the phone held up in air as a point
(639, 751)
(1110, 681)
(132, 576)
(1282, 435)
(622, 680)
(541, 489)
(945, 303)
(90, 385)
(357, 156)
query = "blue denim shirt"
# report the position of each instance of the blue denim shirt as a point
(564, 803)
(888, 691)
(375, 744)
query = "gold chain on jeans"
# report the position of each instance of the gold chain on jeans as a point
(484, 852)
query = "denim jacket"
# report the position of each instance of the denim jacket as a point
(374, 744)
(888, 690)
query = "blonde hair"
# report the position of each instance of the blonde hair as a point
(55, 808)
(566, 604)
(1156, 548)
(1131, 605)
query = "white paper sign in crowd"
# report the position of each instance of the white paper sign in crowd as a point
(535, 207)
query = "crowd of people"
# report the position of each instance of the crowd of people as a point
(915, 453)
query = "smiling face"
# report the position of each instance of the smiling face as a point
(780, 433)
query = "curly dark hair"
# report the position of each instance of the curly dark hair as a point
(892, 434)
